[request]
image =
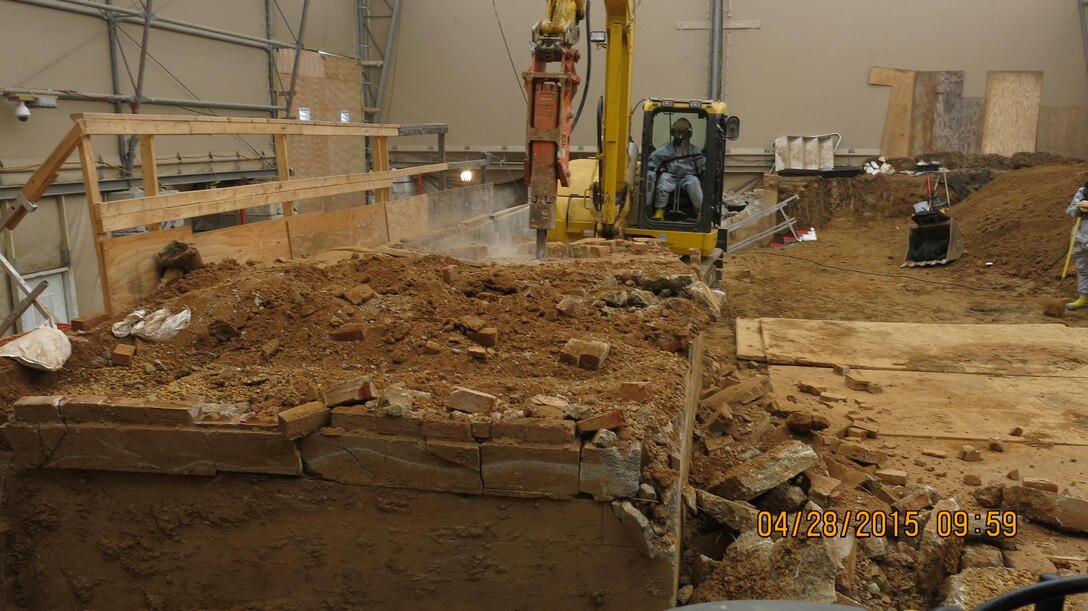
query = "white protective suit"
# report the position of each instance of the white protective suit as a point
(1080, 244)
(684, 173)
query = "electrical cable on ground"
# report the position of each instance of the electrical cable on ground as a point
(991, 289)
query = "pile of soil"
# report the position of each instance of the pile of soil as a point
(261, 335)
(1018, 221)
(958, 161)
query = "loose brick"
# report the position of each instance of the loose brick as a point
(608, 420)
(304, 419)
(743, 393)
(348, 334)
(450, 274)
(972, 479)
(637, 391)
(811, 389)
(487, 337)
(566, 306)
(1040, 484)
(841, 369)
(608, 473)
(357, 417)
(860, 453)
(264, 452)
(585, 354)
(823, 489)
(481, 430)
(970, 454)
(122, 354)
(720, 420)
(871, 429)
(915, 498)
(895, 477)
(935, 453)
(89, 321)
(358, 457)
(358, 390)
(471, 401)
(359, 295)
(527, 468)
(128, 411)
(856, 433)
(37, 409)
(855, 381)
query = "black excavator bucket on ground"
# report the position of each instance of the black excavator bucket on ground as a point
(934, 239)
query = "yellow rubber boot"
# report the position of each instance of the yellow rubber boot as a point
(659, 215)
(1080, 303)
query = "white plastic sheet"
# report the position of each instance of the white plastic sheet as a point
(45, 348)
(158, 326)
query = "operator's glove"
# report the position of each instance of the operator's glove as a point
(1082, 207)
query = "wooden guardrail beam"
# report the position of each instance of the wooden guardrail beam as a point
(98, 124)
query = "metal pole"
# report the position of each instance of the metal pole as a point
(714, 83)
(130, 154)
(387, 59)
(298, 56)
(273, 95)
(115, 78)
(107, 97)
(362, 13)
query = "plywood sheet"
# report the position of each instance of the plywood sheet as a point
(955, 405)
(1063, 130)
(263, 241)
(958, 124)
(131, 268)
(314, 231)
(924, 112)
(896, 142)
(1011, 124)
(407, 218)
(750, 340)
(1042, 350)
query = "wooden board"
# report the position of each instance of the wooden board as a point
(750, 340)
(958, 124)
(263, 241)
(407, 218)
(924, 113)
(314, 231)
(131, 269)
(1011, 124)
(1043, 350)
(1064, 130)
(953, 405)
(896, 142)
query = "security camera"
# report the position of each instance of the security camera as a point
(22, 112)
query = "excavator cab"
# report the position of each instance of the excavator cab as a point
(685, 182)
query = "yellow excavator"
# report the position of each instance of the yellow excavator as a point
(669, 187)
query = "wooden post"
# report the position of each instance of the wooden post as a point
(150, 171)
(283, 169)
(46, 174)
(381, 164)
(94, 209)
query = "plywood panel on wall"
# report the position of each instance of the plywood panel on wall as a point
(362, 226)
(263, 241)
(896, 142)
(1011, 124)
(1063, 130)
(131, 265)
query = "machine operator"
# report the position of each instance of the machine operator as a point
(677, 163)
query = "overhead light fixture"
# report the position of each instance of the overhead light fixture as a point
(466, 175)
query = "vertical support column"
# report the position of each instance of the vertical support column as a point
(381, 164)
(94, 209)
(283, 169)
(149, 170)
(442, 159)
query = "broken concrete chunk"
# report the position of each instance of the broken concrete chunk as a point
(487, 337)
(996, 445)
(972, 479)
(895, 477)
(981, 556)
(585, 354)
(783, 499)
(752, 478)
(359, 295)
(989, 495)
(673, 283)
(970, 454)
(471, 401)
(823, 489)
(701, 294)
(860, 453)
(1040, 484)
(840, 369)
(811, 389)
(935, 453)
(604, 438)
(1064, 512)
(637, 527)
(735, 515)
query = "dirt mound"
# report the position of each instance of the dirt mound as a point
(1018, 221)
(960, 161)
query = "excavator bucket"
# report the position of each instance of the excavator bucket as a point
(933, 244)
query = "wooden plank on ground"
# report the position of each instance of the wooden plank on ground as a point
(750, 340)
(314, 231)
(896, 142)
(132, 268)
(1043, 350)
(959, 406)
(1011, 124)
(262, 241)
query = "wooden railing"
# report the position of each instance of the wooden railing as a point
(153, 208)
